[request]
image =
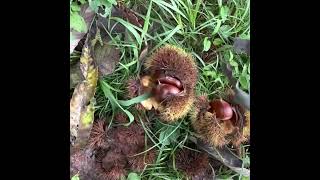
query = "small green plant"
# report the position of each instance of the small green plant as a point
(206, 44)
(121, 103)
(75, 177)
(76, 21)
(133, 176)
(106, 5)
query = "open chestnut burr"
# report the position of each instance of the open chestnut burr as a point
(172, 76)
(220, 123)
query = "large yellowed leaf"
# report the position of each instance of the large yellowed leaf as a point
(82, 101)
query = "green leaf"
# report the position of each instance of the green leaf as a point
(82, 1)
(217, 42)
(231, 57)
(162, 139)
(114, 2)
(210, 74)
(135, 100)
(107, 11)
(217, 27)
(244, 69)
(233, 63)
(133, 176)
(94, 5)
(75, 177)
(206, 44)
(220, 3)
(225, 31)
(107, 6)
(77, 22)
(243, 81)
(224, 11)
(75, 7)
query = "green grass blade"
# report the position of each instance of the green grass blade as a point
(130, 27)
(106, 90)
(163, 3)
(146, 23)
(135, 100)
(167, 38)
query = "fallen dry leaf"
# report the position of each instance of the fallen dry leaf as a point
(75, 75)
(224, 155)
(130, 15)
(242, 46)
(143, 53)
(150, 103)
(81, 104)
(107, 57)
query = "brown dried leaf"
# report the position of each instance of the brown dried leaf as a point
(81, 104)
(242, 46)
(75, 75)
(150, 103)
(106, 57)
(130, 15)
(224, 155)
(143, 53)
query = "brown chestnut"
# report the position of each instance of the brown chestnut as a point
(222, 109)
(162, 91)
(171, 81)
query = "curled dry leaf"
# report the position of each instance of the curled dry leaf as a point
(81, 103)
(224, 155)
(130, 15)
(151, 102)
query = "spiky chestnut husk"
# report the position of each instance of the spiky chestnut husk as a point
(246, 129)
(115, 173)
(114, 158)
(121, 118)
(211, 130)
(110, 164)
(241, 133)
(219, 133)
(194, 165)
(98, 135)
(174, 62)
(138, 163)
(83, 163)
(128, 139)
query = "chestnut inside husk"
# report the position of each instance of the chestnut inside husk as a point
(222, 109)
(167, 86)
